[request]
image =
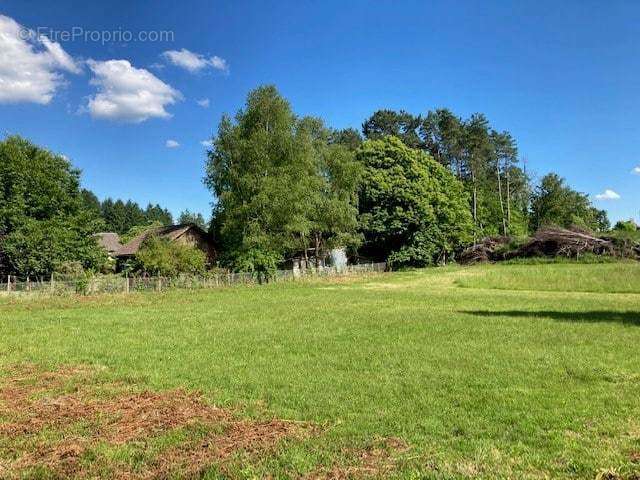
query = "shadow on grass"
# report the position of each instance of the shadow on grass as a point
(605, 316)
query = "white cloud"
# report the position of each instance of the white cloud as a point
(172, 144)
(608, 195)
(61, 58)
(194, 62)
(127, 93)
(204, 102)
(206, 143)
(30, 66)
(219, 63)
(636, 170)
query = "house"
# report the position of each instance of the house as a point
(186, 234)
(110, 242)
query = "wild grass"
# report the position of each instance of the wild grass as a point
(618, 277)
(505, 371)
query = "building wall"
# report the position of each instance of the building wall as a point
(193, 238)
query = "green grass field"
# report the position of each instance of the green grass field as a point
(506, 371)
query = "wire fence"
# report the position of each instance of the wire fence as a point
(118, 284)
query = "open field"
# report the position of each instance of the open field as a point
(505, 371)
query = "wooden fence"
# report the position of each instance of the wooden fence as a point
(117, 284)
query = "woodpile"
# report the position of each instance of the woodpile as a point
(488, 250)
(548, 242)
(625, 247)
(559, 242)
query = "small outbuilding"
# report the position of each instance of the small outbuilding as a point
(110, 242)
(185, 234)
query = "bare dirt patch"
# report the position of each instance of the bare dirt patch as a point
(57, 421)
(68, 423)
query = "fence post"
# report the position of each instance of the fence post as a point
(159, 284)
(52, 287)
(8, 283)
(28, 284)
(126, 284)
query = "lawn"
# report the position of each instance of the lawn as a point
(504, 371)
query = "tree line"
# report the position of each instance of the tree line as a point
(120, 216)
(48, 221)
(410, 189)
(413, 189)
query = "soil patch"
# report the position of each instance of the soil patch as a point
(63, 424)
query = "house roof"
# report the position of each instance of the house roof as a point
(171, 232)
(109, 241)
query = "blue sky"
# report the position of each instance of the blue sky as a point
(562, 77)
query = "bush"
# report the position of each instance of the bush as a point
(39, 247)
(626, 226)
(69, 270)
(159, 256)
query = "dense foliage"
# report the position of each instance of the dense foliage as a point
(159, 256)
(555, 203)
(626, 226)
(413, 211)
(483, 159)
(283, 185)
(195, 218)
(412, 189)
(43, 219)
(121, 216)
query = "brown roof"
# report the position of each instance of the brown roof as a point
(109, 241)
(171, 232)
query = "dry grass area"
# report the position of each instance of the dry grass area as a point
(66, 424)
(55, 422)
(377, 461)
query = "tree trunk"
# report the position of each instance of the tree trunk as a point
(306, 258)
(508, 198)
(317, 244)
(475, 203)
(504, 222)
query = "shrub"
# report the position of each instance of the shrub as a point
(626, 226)
(69, 270)
(159, 256)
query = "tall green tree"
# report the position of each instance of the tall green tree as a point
(191, 217)
(121, 217)
(483, 159)
(116, 218)
(477, 155)
(269, 172)
(90, 201)
(554, 203)
(155, 213)
(347, 137)
(400, 124)
(330, 214)
(44, 219)
(413, 211)
(441, 133)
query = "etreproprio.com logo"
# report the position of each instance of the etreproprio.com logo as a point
(80, 34)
